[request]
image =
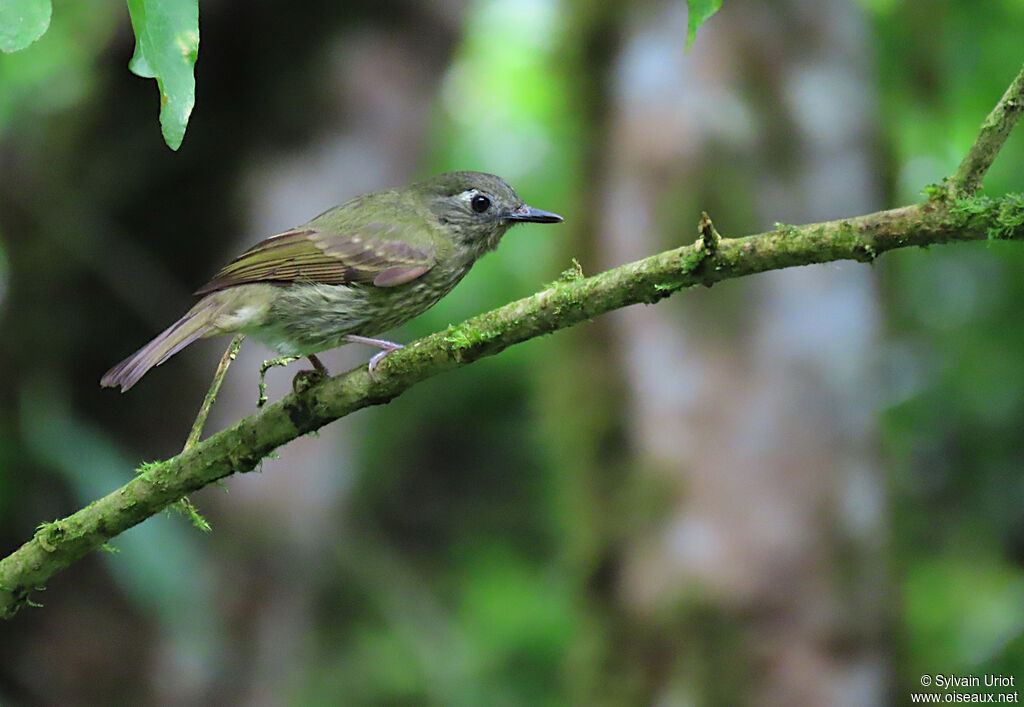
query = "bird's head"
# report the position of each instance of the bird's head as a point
(479, 208)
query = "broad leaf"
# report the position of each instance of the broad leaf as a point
(700, 11)
(166, 46)
(22, 22)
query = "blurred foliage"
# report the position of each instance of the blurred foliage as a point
(53, 76)
(956, 366)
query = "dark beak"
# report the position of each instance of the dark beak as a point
(528, 213)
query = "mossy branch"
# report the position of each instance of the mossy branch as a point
(997, 126)
(944, 218)
(565, 303)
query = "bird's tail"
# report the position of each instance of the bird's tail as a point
(197, 323)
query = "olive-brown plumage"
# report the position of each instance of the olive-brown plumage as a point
(351, 273)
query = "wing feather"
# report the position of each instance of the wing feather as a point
(317, 256)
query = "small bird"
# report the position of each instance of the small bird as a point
(350, 274)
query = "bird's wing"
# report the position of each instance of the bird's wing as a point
(374, 253)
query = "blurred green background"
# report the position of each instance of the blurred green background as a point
(799, 488)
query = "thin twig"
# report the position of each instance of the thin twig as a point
(184, 505)
(218, 377)
(997, 126)
(267, 365)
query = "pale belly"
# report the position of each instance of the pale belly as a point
(303, 319)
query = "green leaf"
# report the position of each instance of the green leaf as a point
(166, 46)
(700, 11)
(22, 22)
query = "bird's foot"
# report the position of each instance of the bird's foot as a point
(383, 344)
(267, 365)
(306, 379)
(377, 358)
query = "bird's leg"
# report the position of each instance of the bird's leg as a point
(320, 367)
(267, 365)
(383, 344)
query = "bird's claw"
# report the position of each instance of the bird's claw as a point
(377, 358)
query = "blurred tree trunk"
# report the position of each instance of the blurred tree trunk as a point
(583, 389)
(746, 545)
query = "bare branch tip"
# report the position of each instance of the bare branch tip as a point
(967, 178)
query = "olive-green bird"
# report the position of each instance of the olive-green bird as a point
(352, 273)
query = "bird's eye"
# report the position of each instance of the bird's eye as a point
(480, 203)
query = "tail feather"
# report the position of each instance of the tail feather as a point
(197, 323)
